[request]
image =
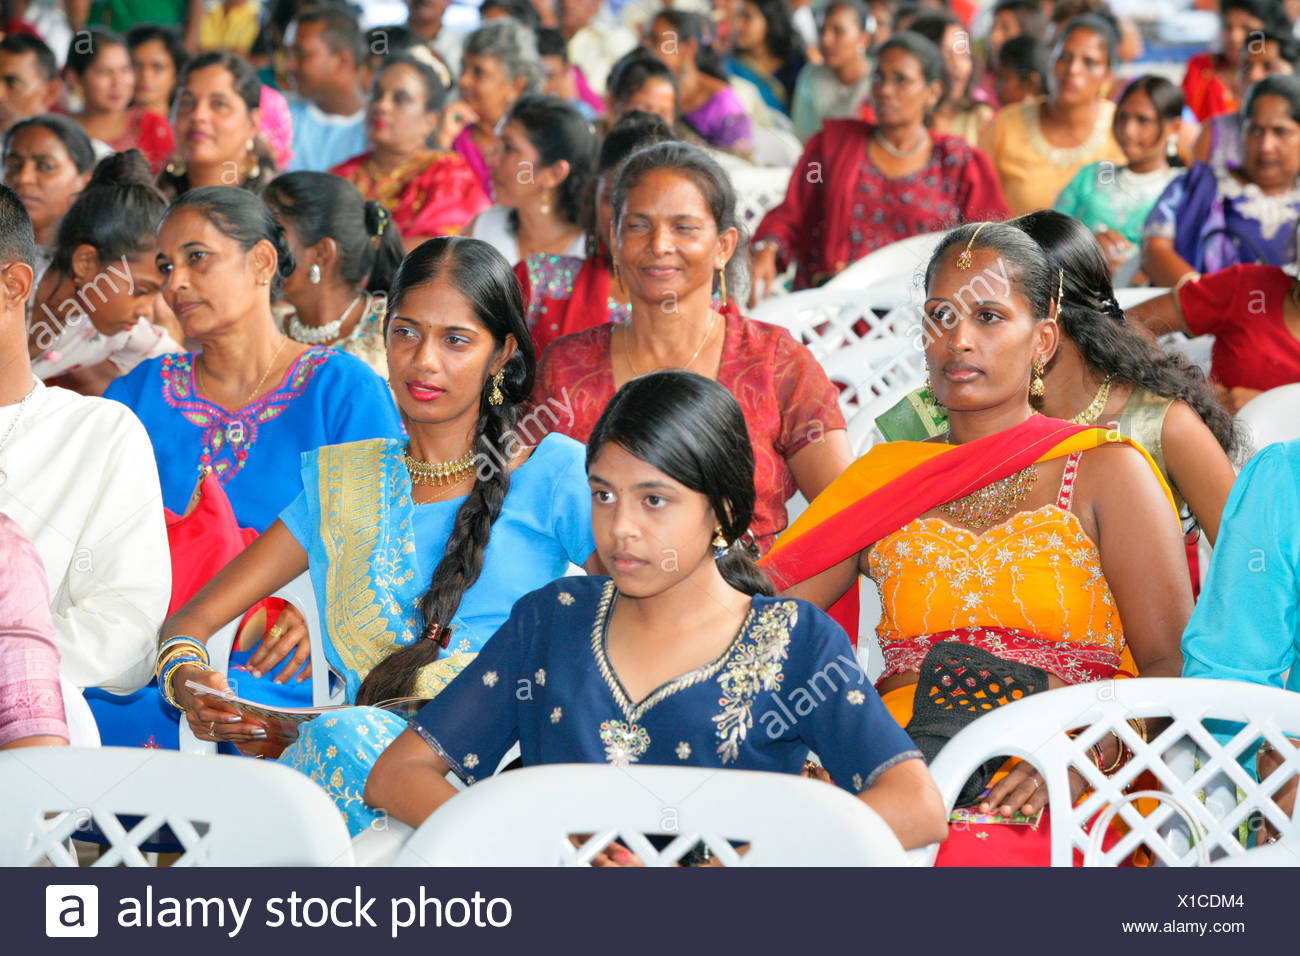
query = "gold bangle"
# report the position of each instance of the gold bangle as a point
(169, 691)
(171, 655)
(1119, 756)
(1139, 726)
(188, 646)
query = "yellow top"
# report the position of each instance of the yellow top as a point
(1032, 172)
(230, 28)
(1037, 574)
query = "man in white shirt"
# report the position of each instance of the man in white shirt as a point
(326, 52)
(77, 474)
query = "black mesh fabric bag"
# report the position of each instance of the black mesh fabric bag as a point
(959, 683)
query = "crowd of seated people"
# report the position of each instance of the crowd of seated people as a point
(435, 317)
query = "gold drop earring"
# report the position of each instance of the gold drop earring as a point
(1036, 386)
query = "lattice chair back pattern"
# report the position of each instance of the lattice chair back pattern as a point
(535, 816)
(325, 687)
(759, 189)
(826, 320)
(1187, 760)
(135, 796)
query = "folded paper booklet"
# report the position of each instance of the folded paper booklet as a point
(972, 815)
(282, 723)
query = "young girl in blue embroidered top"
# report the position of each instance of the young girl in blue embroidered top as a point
(681, 656)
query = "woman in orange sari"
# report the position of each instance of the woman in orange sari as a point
(1048, 545)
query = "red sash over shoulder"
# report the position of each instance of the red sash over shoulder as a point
(898, 482)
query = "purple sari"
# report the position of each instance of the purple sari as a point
(723, 122)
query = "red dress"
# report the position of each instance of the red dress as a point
(563, 295)
(1241, 306)
(1203, 91)
(786, 397)
(839, 207)
(434, 193)
(149, 133)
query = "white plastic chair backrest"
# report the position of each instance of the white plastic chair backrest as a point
(324, 688)
(1186, 759)
(1272, 854)
(759, 189)
(224, 811)
(1129, 296)
(82, 729)
(895, 270)
(875, 373)
(525, 818)
(826, 319)
(1273, 416)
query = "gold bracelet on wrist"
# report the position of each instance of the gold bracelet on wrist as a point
(1139, 726)
(169, 691)
(1119, 756)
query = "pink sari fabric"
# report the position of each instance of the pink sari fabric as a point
(31, 703)
(464, 144)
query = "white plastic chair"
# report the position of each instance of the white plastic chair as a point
(1190, 764)
(326, 688)
(1273, 416)
(826, 319)
(894, 271)
(82, 729)
(525, 818)
(875, 373)
(759, 189)
(49, 794)
(1129, 296)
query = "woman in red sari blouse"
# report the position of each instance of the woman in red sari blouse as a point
(858, 187)
(674, 233)
(564, 294)
(1045, 544)
(1253, 312)
(427, 192)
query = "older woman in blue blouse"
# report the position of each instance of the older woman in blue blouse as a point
(417, 548)
(250, 401)
(681, 656)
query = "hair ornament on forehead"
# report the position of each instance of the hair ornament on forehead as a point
(963, 258)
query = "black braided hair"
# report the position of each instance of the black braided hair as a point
(487, 282)
(1092, 319)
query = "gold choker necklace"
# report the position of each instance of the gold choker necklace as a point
(441, 472)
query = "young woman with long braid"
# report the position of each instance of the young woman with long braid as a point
(417, 550)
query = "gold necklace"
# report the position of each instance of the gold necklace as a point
(627, 348)
(1098, 404)
(440, 472)
(284, 340)
(993, 503)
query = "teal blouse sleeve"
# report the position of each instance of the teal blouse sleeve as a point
(1246, 625)
(571, 500)
(1074, 196)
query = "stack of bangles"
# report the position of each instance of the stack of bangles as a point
(1123, 754)
(172, 654)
